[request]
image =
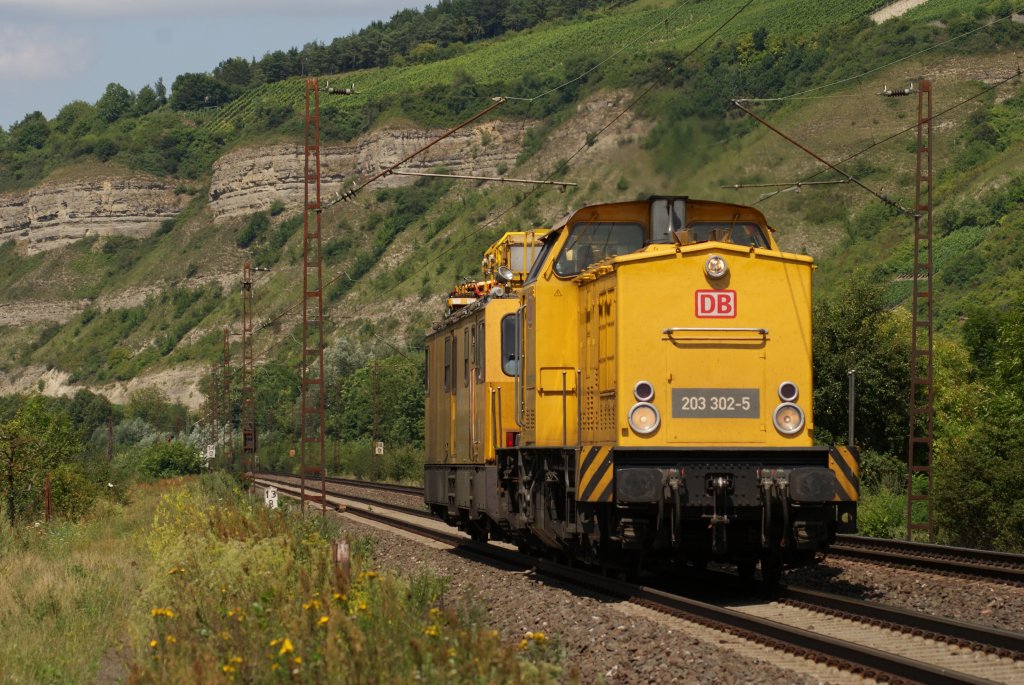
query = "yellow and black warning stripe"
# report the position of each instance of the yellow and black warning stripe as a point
(845, 464)
(595, 473)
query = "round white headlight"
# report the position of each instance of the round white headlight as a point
(788, 418)
(644, 418)
(715, 266)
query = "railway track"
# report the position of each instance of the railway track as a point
(954, 561)
(859, 637)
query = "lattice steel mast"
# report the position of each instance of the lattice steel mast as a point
(311, 438)
(229, 458)
(922, 414)
(248, 390)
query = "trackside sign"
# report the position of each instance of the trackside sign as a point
(715, 304)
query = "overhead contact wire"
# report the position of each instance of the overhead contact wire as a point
(893, 136)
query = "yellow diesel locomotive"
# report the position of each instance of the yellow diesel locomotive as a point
(634, 386)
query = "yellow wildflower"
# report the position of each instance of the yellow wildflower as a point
(152, 643)
(236, 659)
(227, 668)
(297, 659)
(524, 643)
(158, 611)
(286, 647)
(323, 620)
(434, 611)
(371, 574)
(430, 630)
(275, 642)
(274, 667)
(170, 639)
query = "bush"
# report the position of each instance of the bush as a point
(72, 496)
(882, 515)
(399, 463)
(165, 459)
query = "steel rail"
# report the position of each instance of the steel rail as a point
(960, 561)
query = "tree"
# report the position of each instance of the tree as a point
(234, 72)
(855, 330)
(36, 441)
(152, 406)
(75, 118)
(89, 411)
(30, 132)
(161, 91)
(979, 461)
(196, 91)
(146, 101)
(115, 103)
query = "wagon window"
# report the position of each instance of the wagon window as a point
(465, 356)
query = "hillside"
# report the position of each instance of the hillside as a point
(134, 287)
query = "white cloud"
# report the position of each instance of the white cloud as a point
(243, 8)
(41, 53)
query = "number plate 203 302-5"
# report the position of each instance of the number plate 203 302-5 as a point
(716, 403)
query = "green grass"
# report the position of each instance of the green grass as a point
(71, 591)
(196, 582)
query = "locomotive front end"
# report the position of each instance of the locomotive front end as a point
(696, 419)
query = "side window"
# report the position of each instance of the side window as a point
(447, 364)
(509, 334)
(465, 356)
(481, 347)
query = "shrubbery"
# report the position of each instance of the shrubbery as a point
(165, 459)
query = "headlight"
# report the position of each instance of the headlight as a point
(643, 391)
(715, 266)
(788, 418)
(788, 392)
(644, 418)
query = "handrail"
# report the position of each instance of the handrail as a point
(761, 331)
(670, 333)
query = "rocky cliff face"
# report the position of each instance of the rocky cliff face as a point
(55, 214)
(250, 179)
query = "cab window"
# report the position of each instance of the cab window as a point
(590, 242)
(509, 334)
(743, 233)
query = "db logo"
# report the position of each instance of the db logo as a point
(715, 304)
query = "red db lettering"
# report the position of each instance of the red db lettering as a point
(715, 304)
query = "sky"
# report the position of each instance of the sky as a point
(53, 52)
